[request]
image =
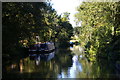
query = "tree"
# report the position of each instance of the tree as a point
(22, 22)
(97, 30)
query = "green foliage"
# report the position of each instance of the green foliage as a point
(100, 27)
(22, 22)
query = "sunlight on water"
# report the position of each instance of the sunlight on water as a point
(76, 65)
(63, 63)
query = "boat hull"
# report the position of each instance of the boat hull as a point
(42, 48)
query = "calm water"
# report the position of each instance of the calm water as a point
(62, 63)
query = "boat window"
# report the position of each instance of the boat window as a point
(43, 45)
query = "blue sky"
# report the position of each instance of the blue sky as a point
(62, 6)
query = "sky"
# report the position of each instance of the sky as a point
(62, 6)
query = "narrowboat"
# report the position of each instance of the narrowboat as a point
(42, 47)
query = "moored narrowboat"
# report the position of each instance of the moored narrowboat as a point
(42, 47)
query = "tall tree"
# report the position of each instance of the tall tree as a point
(99, 26)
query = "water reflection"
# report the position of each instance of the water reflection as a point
(38, 57)
(63, 63)
(76, 67)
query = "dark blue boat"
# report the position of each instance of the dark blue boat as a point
(42, 47)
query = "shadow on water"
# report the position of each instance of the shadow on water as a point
(47, 65)
(61, 63)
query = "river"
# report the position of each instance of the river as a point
(62, 63)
